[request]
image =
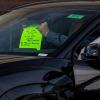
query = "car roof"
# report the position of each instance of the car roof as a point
(86, 5)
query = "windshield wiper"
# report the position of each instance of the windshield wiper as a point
(6, 58)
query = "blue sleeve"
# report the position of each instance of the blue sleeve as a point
(56, 38)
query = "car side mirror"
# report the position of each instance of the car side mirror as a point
(91, 55)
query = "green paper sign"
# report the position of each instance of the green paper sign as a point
(75, 16)
(31, 38)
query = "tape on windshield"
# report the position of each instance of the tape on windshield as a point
(31, 38)
(75, 16)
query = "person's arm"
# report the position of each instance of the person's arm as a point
(55, 38)
(52, 37)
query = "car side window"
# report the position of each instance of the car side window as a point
(87, 60)
(89, 49)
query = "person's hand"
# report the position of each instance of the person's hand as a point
(44, 28)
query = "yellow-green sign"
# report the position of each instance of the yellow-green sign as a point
(31, 38)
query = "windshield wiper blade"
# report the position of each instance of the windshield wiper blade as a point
(14, 58)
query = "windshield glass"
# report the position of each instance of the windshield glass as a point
(40, 32)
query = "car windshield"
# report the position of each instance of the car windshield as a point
(20, 33)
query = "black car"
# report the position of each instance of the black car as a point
(36, 67)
